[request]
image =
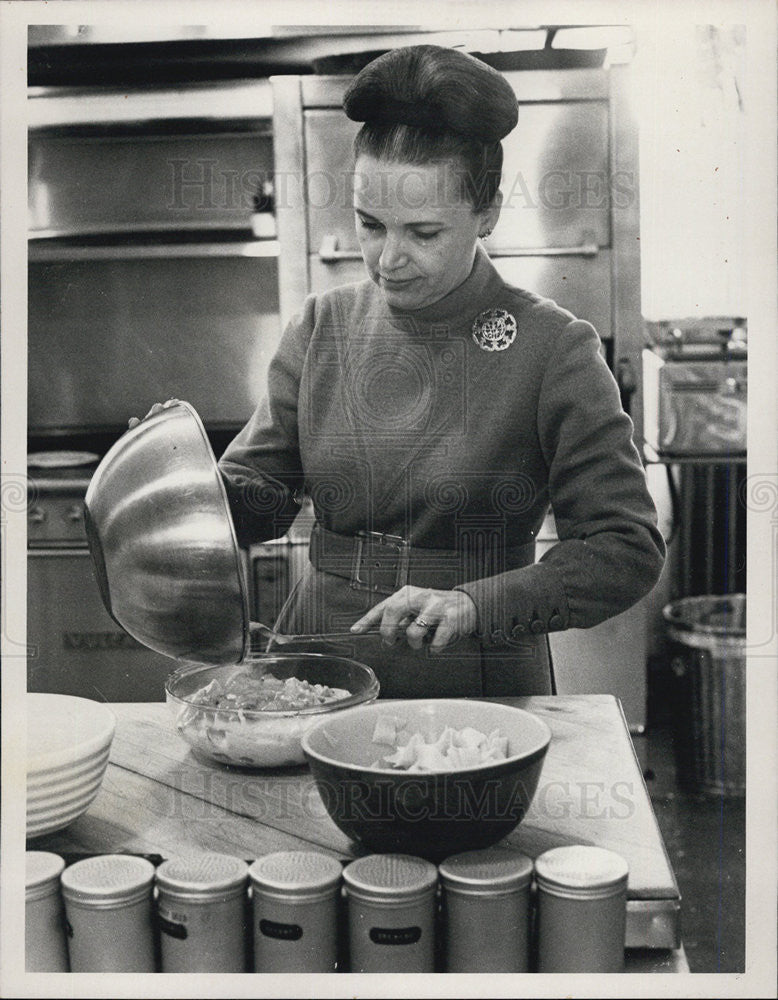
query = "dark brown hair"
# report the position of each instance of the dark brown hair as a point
(428, 104)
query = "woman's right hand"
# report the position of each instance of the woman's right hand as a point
(156, 408)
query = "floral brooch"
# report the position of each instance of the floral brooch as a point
(494, 330)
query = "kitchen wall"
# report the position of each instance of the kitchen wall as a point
(687, 86)
(688, 91)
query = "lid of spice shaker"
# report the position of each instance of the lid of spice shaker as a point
(491, 869)
(390, 876)
(581, 868)
(295, 871)
(42, 870)
(202, 874)
(107, 879)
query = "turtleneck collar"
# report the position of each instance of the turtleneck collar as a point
(459, 305)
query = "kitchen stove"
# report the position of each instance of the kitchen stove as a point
(74, 645)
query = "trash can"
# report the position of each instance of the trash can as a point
(708, 649)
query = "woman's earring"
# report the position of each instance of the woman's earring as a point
(485, 233)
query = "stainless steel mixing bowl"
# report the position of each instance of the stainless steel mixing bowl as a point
(163, 542)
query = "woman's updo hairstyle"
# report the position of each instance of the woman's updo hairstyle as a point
(427, 104)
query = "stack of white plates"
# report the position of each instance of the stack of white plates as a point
(68, 742)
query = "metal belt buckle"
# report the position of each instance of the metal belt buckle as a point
(363, 574)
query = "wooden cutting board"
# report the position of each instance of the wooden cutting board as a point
(157, 798)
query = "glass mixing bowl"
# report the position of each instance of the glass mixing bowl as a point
(249, 737)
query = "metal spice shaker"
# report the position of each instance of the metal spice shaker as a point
(295, 903)
(202, 910)
(486, 910)
(108, 903)
(391, 913)
(45, 947)
(582, 909)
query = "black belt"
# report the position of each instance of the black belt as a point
(382, 563)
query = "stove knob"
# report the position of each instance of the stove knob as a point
(75, 514)
(37, 515)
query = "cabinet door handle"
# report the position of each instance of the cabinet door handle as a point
(583, 250)
(329, 253)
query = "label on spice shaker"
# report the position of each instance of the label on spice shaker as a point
(172, 927)
(282, 932)
(395, 935)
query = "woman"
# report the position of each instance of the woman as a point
(432, 412)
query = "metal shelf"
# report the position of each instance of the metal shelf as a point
(178, 230)
(49, 251)
(217, 102)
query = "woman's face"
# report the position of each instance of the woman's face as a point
(416, 230)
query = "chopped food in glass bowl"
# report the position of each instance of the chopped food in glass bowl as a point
(255, 714)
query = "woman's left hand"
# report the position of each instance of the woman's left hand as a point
(421, 613)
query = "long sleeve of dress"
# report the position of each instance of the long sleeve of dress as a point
(610, 551)
(261, 468)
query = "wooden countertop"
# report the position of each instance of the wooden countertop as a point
(158, 798)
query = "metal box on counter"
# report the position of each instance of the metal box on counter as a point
(695, 396)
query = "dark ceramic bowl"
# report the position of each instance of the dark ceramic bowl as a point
(431, 814)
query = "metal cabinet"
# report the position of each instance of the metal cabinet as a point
(569, 225)
(329, 171)
(150, 275)
(125, 180)
(108, 337)
(74, 646)
(555, 179)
